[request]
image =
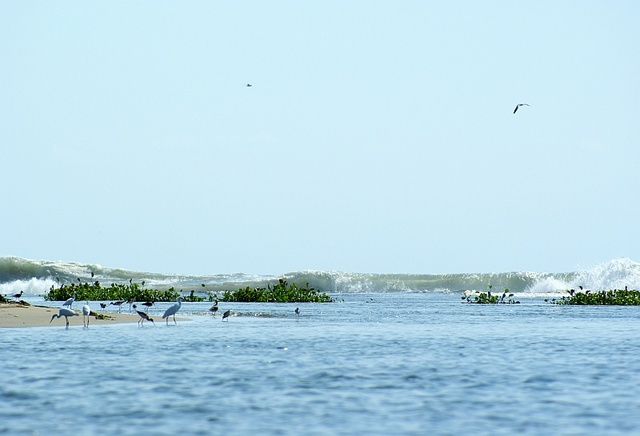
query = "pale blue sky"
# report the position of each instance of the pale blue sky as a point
(378, 136)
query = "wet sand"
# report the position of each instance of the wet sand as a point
(18, 315)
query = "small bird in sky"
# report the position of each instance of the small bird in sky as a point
(518, 105)
(249, 85)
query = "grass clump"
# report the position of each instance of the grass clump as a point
(612, 297)
(281, 292)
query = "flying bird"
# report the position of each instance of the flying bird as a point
(518, 105)
(64, 312)
(249, 85)
(86, 311)
(172, 310)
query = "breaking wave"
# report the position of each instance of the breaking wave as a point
(38, 276)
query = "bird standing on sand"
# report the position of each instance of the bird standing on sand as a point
(69, 302)
(518, 105)
(214, 308)
(17, 296)
(226, 315)
(64, 312)
(86, 311)
(171, 311)
(144, 317)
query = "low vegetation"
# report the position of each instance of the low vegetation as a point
(478, 297)
(82, 291)
(281, 292)
(613, 297)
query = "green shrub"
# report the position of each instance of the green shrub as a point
(281, 292)
(489, 298)
(613, 297)
(85, 291)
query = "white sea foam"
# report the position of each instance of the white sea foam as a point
(32, 286)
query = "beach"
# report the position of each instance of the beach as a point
(20, 315)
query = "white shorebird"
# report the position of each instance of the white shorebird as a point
(86, 311)
(69, 302)
(172, 310)
(64, 312)
(518, 105)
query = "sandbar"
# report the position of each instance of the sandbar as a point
(19, 315)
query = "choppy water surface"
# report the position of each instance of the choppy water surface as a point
(388, 363)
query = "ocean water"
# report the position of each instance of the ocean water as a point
(393, 362)
(378, 363)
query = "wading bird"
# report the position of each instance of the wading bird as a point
(118, 303)
(69, 302)
(171, 311)
(226, 315)
(103, 306)
(64, 312)
(148, 304)
(214, 308)
(16, 296)
(86, 312)
(518, 105)
(297, 312)
(144, 317)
